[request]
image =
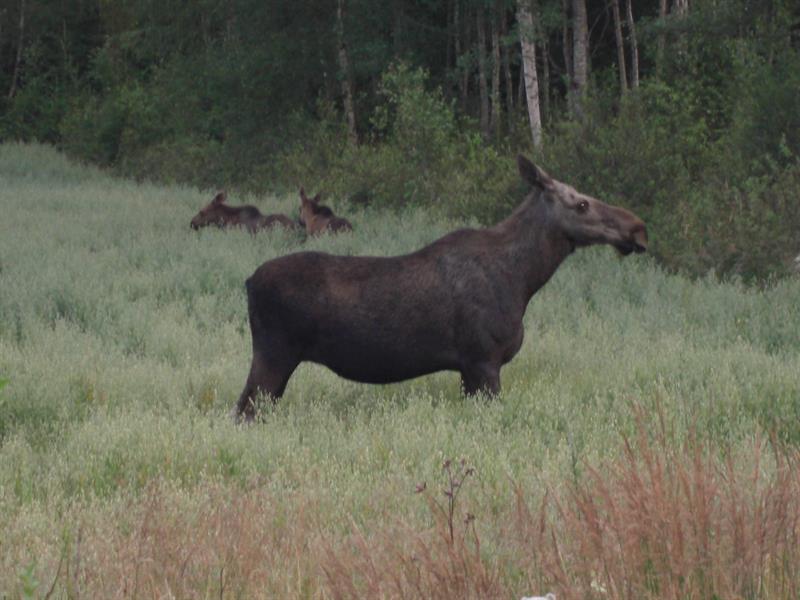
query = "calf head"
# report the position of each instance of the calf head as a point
(313, 215)
(211, 214)
(582, 219)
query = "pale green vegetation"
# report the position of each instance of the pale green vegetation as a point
(124, 340)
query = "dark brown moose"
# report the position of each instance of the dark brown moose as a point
(456, 304)
(218, 213)
(318, 218)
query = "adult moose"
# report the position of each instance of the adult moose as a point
(456, 304)
(318, 218)
(218, 213)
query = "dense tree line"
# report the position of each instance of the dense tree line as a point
(686, 111)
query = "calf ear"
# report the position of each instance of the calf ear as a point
(303, 196)
(533, 174)
(219, 198)
(315, 199)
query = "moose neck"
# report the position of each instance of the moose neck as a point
(533, 246)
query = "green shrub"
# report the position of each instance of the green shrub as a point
(41, 99)
(751, 229)
(766, 126)
(92, 129)
(418, 154)
(178, 160)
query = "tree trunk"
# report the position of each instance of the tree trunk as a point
(231, 26)
(566, 46)
(18, 60)
(461, 62)
(634, 47)
(507, 74)
(661, 42)
(580, 54)
(448, 61)
(65, 49)
(345, 76)
(496, 125)
(529, 68)
(680, 7)
(2, 17)
(546, 81)
(483, 88)
(623, 77)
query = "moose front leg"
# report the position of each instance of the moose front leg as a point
(482, 377)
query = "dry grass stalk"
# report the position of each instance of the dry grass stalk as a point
(671, 521)
(235, 543)
(406, 561)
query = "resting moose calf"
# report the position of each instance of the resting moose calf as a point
(318, 218)
(456, 304)
(218, 213)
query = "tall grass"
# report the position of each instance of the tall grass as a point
(123, 335)
(667, 520)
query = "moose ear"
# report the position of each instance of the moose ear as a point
(532, 174)
(303, 196)
(219, 198)
(315, 199)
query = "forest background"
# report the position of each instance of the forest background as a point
(688, 113)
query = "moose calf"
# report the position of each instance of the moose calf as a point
(218, 213)
(318, 218)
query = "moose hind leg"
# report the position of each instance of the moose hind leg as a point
(268, 376)
(483, 378)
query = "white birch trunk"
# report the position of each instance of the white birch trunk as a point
(545, 57)
(528, 47)
(634, 47)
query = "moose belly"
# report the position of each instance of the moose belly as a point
(379, 358)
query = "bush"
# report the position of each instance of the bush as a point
(766, 127)
(418, 154)
(92, 128)
(751, 230)
(116, 127)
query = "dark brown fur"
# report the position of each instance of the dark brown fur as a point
(318, 218)
(218, 213)
(456, 304)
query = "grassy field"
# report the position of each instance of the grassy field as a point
(645, 444)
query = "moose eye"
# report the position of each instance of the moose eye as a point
(582, 206)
